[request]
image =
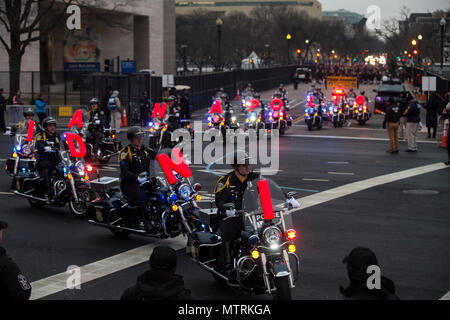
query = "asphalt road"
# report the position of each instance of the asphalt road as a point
(409, 233)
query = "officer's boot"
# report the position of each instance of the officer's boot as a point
(228, 262)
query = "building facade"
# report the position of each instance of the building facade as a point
(222, 7)
(141, 31)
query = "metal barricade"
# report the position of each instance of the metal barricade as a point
(62, 114)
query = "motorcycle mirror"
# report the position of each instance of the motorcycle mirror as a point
(229, 206)
(291, 194)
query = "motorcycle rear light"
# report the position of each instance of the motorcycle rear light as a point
(113, 136)
(291, 234)
(255, 254)
(89, 168)
(197, 187)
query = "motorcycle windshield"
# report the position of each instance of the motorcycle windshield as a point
(157, 171)
(252, 206)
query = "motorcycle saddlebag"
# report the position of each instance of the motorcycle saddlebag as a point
(203, 246)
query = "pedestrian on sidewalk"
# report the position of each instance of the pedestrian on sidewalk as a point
(41, 103)
(432, 108)
(17, 99)
(403, 120)
(358, 262)
(446, 116)
(13, 284)
(116, 111)
(145, 105)
(2, 111)
(392, 118)
(412, 114)
(160, 282)
(105, 107)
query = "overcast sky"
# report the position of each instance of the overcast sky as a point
(389, 8)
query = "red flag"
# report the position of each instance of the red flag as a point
(159, 111)
(30, 131)
(179, 166)
(70, 137)
(276, 104)
(77, 119)
(266, 199)
(217, 107)
(253, 105)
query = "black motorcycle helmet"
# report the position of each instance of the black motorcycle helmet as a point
(281, 85)
(93, 101)
(224, 96)
(240, 157)
(47, 121)
(277, 94)
(134, 132)
(257, 95)
(28, 112)
(171, 98)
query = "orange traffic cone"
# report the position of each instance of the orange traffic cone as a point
(238, 96)
(444, 138)
(423, 97)
(124, 122)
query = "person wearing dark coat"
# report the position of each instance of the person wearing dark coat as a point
(13, 284)
(432, 114)
(160, 282)
(357, 263)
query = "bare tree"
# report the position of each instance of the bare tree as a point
(26, 21)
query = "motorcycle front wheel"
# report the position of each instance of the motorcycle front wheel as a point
(283, 289)
(79, 208)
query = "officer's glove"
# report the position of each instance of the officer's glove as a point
(97, 121)
(230, 213)
(48, 149)
(142, 180)
(294, 203)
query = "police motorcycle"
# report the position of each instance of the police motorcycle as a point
(157, 129)
(70, 181)
(171, 210)
(23, 156)
(264, 256)
(361, 113)
(108, 146)
(341, 103)
(336, 114)
(246, 101)
(277, 118)
(313, 118)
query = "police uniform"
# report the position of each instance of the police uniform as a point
(134, 161)
(13, 284)
(230, 189)
(47, 161)
(96, 130)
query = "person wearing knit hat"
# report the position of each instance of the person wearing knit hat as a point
(358, 262)
(13, 284)
(160, 282)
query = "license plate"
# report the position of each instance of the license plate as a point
(260, 217)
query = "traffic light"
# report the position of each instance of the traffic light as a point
(318, 54)
(299, 51)
(109, 65)
(416, 52)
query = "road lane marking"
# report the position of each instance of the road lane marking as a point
(298, 189)
(338, 162)
(349, 189)
(342, 173)
(346, 138)
(318, 180)
(446, 296)
(6, 193)
(57, 283)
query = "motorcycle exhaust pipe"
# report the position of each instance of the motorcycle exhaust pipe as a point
(104, 225)
(32, 197)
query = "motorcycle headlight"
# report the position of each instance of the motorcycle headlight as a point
(185, 191)
(252, 118)
(272, 236)
(26, 150)
(233, 119)
(79, 167)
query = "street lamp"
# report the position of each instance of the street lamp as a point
(268, 54)
(184, 47)
(288, 38)
(442, 23)
(307, 49)
(219, 24)
(420, 37)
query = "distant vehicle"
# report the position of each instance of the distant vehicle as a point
(388, 89)
(303, 74)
